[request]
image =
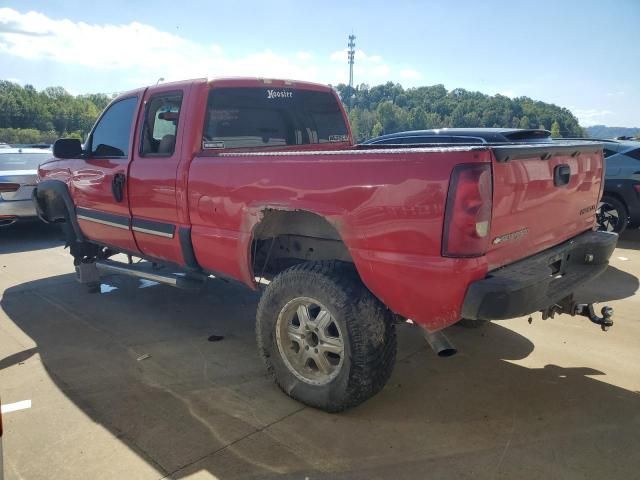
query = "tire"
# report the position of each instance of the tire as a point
(355, 346)
(611, 215)
(466, 323)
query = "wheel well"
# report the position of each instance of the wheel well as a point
(55, 205)
(618, 197)
(285, 238)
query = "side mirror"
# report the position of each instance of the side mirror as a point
(67, 148)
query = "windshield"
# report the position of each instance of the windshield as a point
(22, 161)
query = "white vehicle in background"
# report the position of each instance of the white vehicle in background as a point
(18, 174)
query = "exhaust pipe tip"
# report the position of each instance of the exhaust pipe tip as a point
(447, 352)
(440, 344)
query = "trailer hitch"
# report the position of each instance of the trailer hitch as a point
(569, 306)
(586, 310)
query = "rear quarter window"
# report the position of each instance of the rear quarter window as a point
(634, 154)
(271, 117)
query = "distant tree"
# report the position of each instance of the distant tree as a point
(524, 122)
(377, 130)
(29, 116)
(385, 108)
(555, 129)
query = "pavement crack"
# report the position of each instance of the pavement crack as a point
(221, 449)
(508, 444)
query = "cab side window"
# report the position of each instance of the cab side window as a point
(110, 137)
(161, 125)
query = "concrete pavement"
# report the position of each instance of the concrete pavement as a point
(125, 384)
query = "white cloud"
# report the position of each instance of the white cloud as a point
(141, 50)
(141, 53)
(304, 55)
(591, 116)
(617, 93)
(360, 56)
(367, 68)
(410, 74)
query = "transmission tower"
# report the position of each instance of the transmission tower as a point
(352, 54)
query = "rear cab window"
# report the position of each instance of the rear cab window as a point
(264, 117)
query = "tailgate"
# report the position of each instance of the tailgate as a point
(542, 196)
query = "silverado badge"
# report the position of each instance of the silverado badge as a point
(511, 236)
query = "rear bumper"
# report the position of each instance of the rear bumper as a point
(539, 281)
(17, 208)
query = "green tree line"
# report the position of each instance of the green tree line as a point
(390, 108)
(31, 116)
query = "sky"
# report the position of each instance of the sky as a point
(582, 55)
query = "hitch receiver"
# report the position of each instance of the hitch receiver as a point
(586, 310)
(569, 306)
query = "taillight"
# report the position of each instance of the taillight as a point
(8, 187)
(636, 187)
(467, 218)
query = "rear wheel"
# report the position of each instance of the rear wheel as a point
(326, 340)
(611, 215)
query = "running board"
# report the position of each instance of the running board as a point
(89, 273)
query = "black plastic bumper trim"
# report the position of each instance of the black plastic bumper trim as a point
(540, 281)
(104, 218)
(152, 227)
(189, 256)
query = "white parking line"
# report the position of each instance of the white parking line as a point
(12, 407)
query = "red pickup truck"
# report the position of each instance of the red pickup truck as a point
(258, 180)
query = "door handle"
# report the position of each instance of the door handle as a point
(117, 186)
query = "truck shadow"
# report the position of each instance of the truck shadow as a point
(613, 284)
(630, 239)
(29, 235)
(136, 360)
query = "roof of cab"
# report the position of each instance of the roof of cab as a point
(266, 83)
(230, 82)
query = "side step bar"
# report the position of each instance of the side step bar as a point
(89, 273)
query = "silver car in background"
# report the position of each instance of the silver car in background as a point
(18, 173)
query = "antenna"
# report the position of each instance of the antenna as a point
(352, 55)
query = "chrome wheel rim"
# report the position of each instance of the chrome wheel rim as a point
(310, 341)
(607, 217)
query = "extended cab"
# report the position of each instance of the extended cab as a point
(258, 180)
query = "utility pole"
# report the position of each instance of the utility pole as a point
(352, 54)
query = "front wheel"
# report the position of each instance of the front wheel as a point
(326, 340)
(611, 215)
